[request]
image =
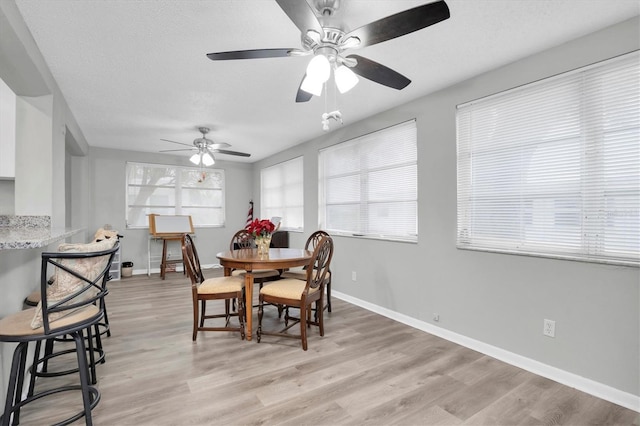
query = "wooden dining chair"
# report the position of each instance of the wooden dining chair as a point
(244, 240)
(291, 292)
(203, 290)
(301, 273)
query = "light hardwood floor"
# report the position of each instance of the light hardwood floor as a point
(367, 369)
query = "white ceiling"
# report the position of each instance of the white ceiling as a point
(135, 72)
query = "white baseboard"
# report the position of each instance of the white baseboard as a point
(583, 384)
(179, 268)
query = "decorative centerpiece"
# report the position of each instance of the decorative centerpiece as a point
(261, 231)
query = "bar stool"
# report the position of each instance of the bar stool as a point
(69, 307)
(101, 328)
(32, 300)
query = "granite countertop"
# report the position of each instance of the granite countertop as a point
(25, 232)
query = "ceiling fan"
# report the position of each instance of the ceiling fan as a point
(328, 40)
(205, 148)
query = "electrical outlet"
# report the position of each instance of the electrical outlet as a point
(353, 275)
(436, 317)
(549, 328)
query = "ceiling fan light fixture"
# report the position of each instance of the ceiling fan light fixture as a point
(207, 159)
(345, 79)
(195, 158)
(314, 36)
(311, 85)
(319, 68)
(350, 43)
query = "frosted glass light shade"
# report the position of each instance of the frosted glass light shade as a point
(195, 158)
(310, 85)
(345, 79)
(207, 159)
(319, 68)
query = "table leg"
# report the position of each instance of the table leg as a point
(248, 303)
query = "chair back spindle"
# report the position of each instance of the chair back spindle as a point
(242, 240)
(191, 260)
(318, 268)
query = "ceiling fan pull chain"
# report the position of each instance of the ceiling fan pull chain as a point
(333, 115)
(325, 119)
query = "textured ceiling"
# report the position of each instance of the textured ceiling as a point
(135, 72)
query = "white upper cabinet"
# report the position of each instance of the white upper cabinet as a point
(7, 132)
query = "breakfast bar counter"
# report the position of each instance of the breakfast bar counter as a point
(26, 232)
(27, 238)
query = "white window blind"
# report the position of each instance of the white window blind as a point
(553, 168)
(282, 193)
(173, 190)
(369, 185)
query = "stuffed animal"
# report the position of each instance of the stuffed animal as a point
(104, 234)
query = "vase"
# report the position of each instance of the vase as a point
(263, 244)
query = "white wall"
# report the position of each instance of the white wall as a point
(34, 156)
(499, 300)
(106, 204)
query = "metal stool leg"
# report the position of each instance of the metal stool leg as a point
(84, 377)
(16, 376)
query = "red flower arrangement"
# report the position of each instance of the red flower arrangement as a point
(261, 228)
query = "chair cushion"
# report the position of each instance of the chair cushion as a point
(257, 273)
(290, 288)
(298, 274)
(220, 285)
(19, 324)
(65, 284)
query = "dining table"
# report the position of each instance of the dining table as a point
(249, 260)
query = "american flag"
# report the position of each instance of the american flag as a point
(249, 215)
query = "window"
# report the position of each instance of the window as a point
(553, 168)
(282, 193)
(369, 185)
(173, 190)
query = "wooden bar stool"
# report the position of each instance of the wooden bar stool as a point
(165, 261)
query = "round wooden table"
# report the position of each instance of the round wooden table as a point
(249, 260)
